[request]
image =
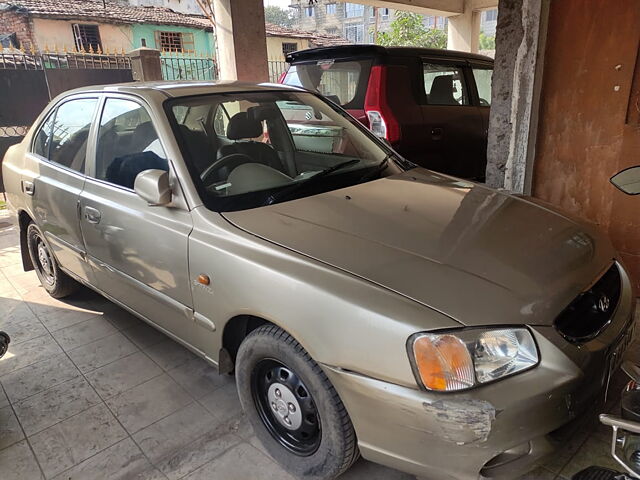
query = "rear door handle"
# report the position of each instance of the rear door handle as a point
(436, 133)
(92, 215)
(28, 187)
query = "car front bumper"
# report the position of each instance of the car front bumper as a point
(496, 431)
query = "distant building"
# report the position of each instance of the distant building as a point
(488, 22)
(281, 41)
(354, 21)
(97, 25)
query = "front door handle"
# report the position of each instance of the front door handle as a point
(92, 215)
(436, 133)
(28, 187)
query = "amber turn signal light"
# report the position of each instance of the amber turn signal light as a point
(443, 362)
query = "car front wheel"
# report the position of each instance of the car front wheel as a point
(293, 408)
(57, 283)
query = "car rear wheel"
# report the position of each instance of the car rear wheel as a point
(293, 408)
(57, 283)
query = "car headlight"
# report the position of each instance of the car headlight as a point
(462, 359)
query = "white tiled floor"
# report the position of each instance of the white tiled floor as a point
(90, 392)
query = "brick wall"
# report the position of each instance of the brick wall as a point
(20, 24)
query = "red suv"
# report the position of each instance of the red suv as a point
(431, 105)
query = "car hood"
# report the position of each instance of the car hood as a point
(478, 255)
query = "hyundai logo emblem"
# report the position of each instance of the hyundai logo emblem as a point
(603, 303)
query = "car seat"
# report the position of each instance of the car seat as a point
(442, 91)
(242, 127)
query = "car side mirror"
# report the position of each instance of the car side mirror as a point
(628, 180)
(153, 186)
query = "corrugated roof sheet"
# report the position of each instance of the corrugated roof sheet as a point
(318, 39)
(119, 12)
(108, 11)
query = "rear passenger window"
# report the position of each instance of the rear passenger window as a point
(64, 135)
(127, 143)
(444, 85)
(482, 76)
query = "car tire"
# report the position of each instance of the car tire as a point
(271, 366)
(57, 283)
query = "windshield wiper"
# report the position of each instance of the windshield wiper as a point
(287, 192)
(378, 169)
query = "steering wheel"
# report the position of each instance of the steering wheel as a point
(484, 103)
(230, 161)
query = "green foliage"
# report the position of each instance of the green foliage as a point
(487, 42)
(278, 16)
(407, 30)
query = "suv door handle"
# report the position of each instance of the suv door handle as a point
(28, 187)
(92, 215)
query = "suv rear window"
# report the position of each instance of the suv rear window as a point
(342, 81)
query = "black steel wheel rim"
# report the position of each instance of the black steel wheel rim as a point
(43, 258)
(271, 375)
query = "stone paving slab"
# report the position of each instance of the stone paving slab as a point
(90, 392)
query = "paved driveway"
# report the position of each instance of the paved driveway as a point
(90, 392)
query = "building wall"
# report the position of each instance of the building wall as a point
(588, 130)
(59, 33)
(12, 22)
(337, 23)
(202, 39)
(274, 46)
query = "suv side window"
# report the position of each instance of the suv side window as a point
(444, 84)
(127, 143)
(64, 135)
(482, 77)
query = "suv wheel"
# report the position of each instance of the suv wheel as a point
(293, 408)
(57, 283)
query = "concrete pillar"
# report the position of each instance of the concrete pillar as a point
(517, 79)
(145, 64)
(241, 40)
(463, 32)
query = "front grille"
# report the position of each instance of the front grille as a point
(592, 310)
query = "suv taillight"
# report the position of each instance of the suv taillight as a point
(382, 122)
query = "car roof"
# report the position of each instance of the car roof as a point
(379, 51)
(185, 88)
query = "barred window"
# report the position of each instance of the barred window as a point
(288, 48)
(86, 37)
(354, 33)
(174, 41)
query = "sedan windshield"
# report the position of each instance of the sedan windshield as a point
(246, 150)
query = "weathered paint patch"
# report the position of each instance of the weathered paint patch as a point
(462, 421)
